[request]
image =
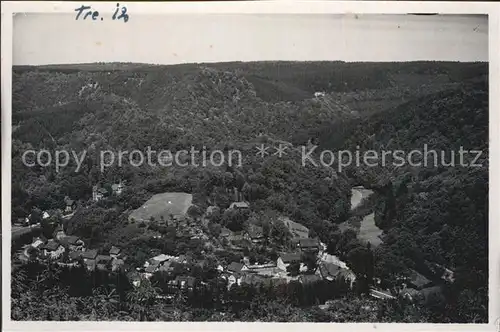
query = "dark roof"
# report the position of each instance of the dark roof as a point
(413, 293)
(75, 254)
(89, 254)
(70, 239)
(103, 258)
(308, 243)
(418, 280)
(291, 257)
(432, 293)
(114, 250)
(51, 245)
(235, 267)
(329, 270)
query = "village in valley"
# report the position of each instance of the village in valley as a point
(250, 257)
(283, 181)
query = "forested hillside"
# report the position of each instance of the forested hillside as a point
(423, 211)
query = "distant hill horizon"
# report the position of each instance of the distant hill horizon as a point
(138, 65)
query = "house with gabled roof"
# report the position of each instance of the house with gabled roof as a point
(285, 259)
(239, 206)
(70, 204)
(38, 241)
(411, 294)
(90, 254)
(114, 252)
(235, 267)
(417, 280)
(53, 249)
(329, 271)
(98, 193)
(162, 258)
(308, 245)
(75, 255)
(72, 242)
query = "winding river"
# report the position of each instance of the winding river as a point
(368, 231)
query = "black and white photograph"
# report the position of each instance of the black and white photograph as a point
(248, 167)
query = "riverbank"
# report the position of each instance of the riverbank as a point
(367, 231)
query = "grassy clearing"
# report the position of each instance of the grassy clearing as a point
(369, 232)
(164, 204)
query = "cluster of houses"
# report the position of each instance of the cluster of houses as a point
(414, 287)
(238, 273)
(44, 215)
(163, 263)
(98, 193)
(329, 267)
(243, 272)
(277, 272)
(301, 245)
(69, 250)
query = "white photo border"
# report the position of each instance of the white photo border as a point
(492, 9)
